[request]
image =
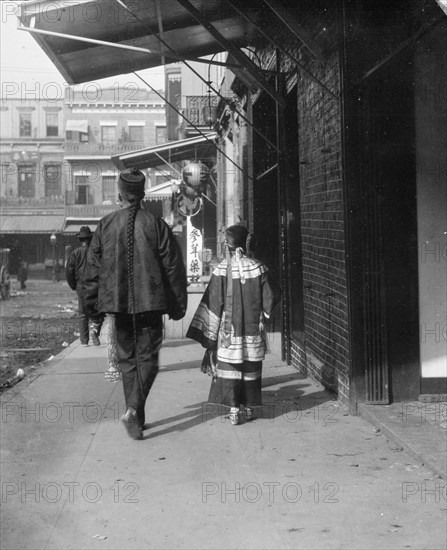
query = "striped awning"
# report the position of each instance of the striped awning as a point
(31, 223)
(72, 226)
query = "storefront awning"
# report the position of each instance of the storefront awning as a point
(89, 40)
(77, 126)
(160, 192)
(196, 148)
(73, 225)
(183, 36)
(31, 223)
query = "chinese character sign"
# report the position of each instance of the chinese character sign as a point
(194, 243)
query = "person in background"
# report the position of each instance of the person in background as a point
(22, 275)
(89, 328)
(229, 323)
(58, 268)
(135, 271)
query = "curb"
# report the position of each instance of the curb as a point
(422, 459)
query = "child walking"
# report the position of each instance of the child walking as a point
(229, 323)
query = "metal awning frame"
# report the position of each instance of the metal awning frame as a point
(173, 53)
(173, 56)
(292, 57)
(169, 148)
(189, 122)
(245, 63)
(171, 166)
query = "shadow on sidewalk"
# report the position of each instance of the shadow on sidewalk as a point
(287, 402)
(182, 366)
(178, 343)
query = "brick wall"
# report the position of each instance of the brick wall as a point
(325, 354)
(322, 216)
(322, 229)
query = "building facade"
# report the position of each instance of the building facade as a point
(101, 123)
(56, 168)
(32, 185)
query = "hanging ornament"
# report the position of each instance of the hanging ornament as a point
(195, 175)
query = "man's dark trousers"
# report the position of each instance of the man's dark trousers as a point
(83, 322)
(149, 332)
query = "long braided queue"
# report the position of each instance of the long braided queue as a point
(133, 209)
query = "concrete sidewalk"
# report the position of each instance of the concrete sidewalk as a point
(304, 474)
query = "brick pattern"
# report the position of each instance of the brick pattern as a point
(299, 360)
(325, 356)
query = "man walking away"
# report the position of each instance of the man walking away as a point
(135, 270)
(22, 275)
(74, 271)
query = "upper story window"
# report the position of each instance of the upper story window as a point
(160, 134)
(82, 189)
(53, 178)
(26, 179)
(52, 124)
(108, 132)
(25, 124)
(109, 188)
(136, 133)
(76, 130)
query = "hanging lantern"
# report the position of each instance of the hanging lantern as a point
(195, 175)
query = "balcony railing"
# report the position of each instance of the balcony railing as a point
(52, 204)
(109, 149)
(26, 202)
(89, 210)
(201, 110)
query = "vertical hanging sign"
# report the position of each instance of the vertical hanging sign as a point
(194, 243)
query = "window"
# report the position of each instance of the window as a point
(52, 124)
(26, 180)
(52, 177)
(136, 133)
(108, 134)
(7, 177)
(76, 130)
(160, 134)
(77, 137)
(109, 191)
(81, 190)
(25, 124)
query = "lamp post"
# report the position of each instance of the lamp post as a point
(53, 240)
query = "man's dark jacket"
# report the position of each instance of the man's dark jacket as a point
(75, 268)
(159, 271)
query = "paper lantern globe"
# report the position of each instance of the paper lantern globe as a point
(195, 174)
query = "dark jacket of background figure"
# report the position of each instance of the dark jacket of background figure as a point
(22, 274)
(159, 272)
(74, 269)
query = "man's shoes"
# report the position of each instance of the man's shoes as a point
(248, 414)
(132, 425)
(234, 416)
(94, 335)
(84, 345)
